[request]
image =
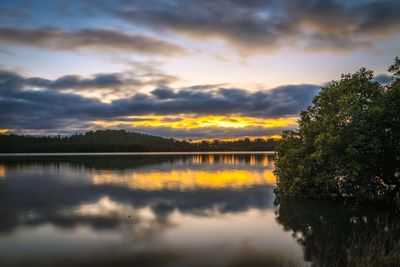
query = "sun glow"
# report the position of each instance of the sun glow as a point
(276, 137)
(194, 121)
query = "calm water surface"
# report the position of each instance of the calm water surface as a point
(162, 210)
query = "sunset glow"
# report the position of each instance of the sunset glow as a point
(192, 121)
(188, 133)
(196, 70)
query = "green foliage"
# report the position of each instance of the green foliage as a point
(347, 144)
(121, 141)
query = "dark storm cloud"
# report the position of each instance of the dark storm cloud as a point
(281, 101)
(254, 26)
(97, 39)
(45, 108)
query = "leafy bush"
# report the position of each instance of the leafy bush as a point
(347, 143)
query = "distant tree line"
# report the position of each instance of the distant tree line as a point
(122, 141)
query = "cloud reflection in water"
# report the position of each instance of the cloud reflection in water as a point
(214, 210)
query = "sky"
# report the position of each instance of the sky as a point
(188, 69)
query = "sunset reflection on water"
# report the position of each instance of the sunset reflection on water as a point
(2, 171)
(190, 177)
(167, 210)
(159, 210)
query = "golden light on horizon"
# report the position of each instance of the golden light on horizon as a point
(252, 138)
(2, 131)
(194, 121)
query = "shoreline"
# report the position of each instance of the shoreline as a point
(4, 155)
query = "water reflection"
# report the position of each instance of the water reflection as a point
(343, 234)
(186, 179)
(2, 171)
(196, 210)
(175, 210)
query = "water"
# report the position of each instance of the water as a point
(207, 209)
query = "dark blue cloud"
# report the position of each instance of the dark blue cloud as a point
(89, 38)
(107, 84)
(248, 26)
(163, 93)
(253, 26)
(281, 101)
(46, 108)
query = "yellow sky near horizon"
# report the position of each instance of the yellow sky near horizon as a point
(196, 121)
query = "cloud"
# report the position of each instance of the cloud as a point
(250, 27)
(261, 26)
(89, 39)
(278, 102)
(162, 201)
(77, 82)
(33, 103)
(102, 85)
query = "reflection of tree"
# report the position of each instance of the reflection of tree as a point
(89, 162)
(335, 234)
(117, 162)
(30, 188)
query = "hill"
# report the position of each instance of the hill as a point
(121, 141)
